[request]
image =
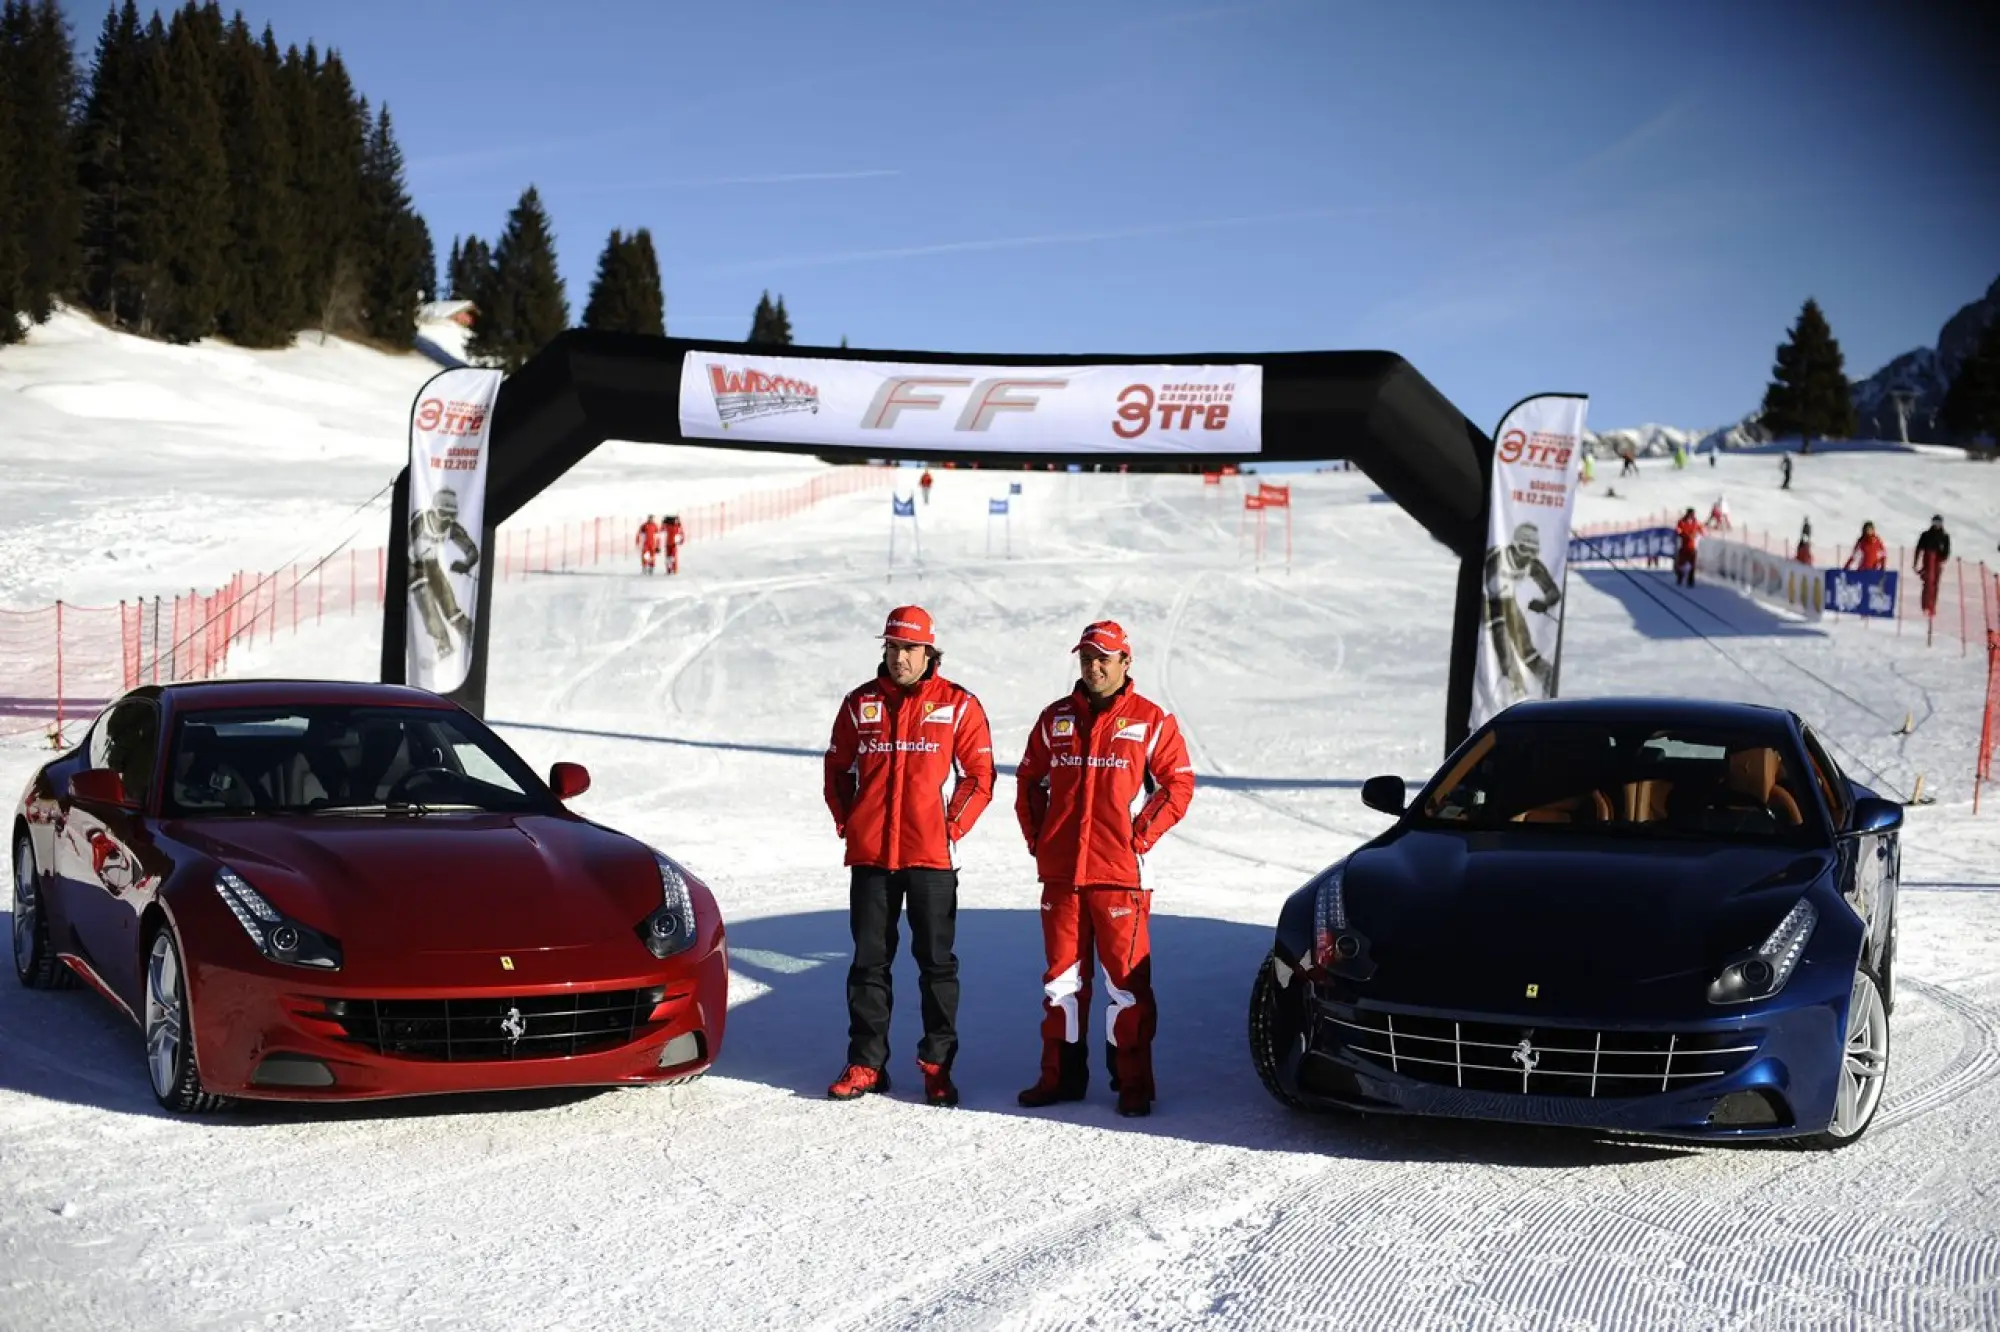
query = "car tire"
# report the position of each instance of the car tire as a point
(1264, 1023)
(169, 1029)
(35, 962)
(1864, 1047)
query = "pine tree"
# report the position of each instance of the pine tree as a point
(471, 266)
(186, 191)
(392, 244)
(13, 275)
(650, 299)
(261, 297)
(105, 172)
(1972, 402)
(42, 207)
(625, 297)
(334, 123)
(1809, 395)
(770, 326)
(523, 306)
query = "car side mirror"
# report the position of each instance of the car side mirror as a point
(1385, 794)
(1874, 815)
(568, 780)
(101, 786)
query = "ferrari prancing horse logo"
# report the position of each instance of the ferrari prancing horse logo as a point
(1534, 991)
(507, 964)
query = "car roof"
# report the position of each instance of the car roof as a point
(209, 695)
(1633, 710)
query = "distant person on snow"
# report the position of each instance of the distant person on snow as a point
(1804, 553)
(1868, 551)
(1933, 549)
(1718, 514)
(1688, 529)
(672, 535)
(1785, 466)
(430, 532)
(924, 484)
(1631, 461)
(898, 740)
(648, 542)
(1095, 756)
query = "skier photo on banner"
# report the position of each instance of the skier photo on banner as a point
(1507, 567)
(432, 530)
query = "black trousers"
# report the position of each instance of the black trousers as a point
(875, 900)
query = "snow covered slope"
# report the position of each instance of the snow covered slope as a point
(701, 704)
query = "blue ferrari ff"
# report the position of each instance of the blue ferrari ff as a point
(1634, 915)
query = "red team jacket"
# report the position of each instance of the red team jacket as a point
(1689, 530)
(1081, 783)
(892, 756)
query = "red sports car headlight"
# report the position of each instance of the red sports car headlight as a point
(670, 929)
(276, 937)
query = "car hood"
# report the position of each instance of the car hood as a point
(1471, 920)
(440, 882)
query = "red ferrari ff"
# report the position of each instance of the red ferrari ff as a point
(306, 890)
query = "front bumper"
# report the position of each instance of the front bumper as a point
(1771, 1073)
(289, 1035)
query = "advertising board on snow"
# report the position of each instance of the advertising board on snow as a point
(1774, 579)
(450, 424)
(1536, 466)
(973, 408)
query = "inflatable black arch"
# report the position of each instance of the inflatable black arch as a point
(1370, 408)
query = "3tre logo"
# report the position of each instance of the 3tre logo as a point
(1174, 406)
(450, 418)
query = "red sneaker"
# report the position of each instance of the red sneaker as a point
(938, 1087)
(859, 1080)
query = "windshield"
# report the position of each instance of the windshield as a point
(1619, 777)
(302, 759)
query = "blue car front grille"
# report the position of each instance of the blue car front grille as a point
(1538, 1060)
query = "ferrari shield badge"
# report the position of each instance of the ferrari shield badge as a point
(506, 963)
(1534, 991)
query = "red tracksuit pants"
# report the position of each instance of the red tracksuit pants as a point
(1112, 924)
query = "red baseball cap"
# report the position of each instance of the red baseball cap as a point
(1104, 636)
(910, 624)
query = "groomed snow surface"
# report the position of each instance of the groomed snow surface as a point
(701, 704)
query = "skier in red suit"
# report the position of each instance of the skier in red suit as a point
(1688, 529)
(648, 542)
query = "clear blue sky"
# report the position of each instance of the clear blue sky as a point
(1630, 200)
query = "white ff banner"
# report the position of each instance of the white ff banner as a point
(1537, 460)
(982, 408)
(449, 426)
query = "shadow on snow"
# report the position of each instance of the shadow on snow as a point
(71, 1046)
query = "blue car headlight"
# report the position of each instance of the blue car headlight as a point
(1764, 972)
(670, 928)
(277, 937)
(1338, 948)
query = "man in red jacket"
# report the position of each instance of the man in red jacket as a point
(1688, 529)
(897, 742)
(1094, 758)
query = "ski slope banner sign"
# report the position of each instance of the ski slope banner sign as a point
(450, 424)
(1537, 461)
(973, 408)
(1646, 543)
(1775, 580)
(1870, 592)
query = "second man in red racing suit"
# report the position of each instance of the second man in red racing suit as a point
(1106, 774)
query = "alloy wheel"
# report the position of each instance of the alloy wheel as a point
(166, 1011)
(1864, 1063)
(24, 906)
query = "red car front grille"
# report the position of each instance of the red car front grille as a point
(539, 1026)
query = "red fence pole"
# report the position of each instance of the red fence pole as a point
(59, 675)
